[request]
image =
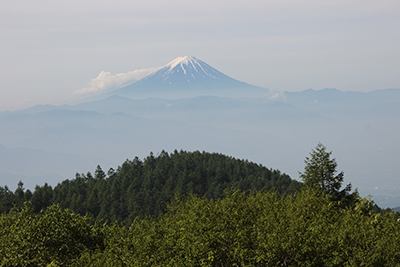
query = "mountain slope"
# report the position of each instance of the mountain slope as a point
(188, 77)
(188, 71)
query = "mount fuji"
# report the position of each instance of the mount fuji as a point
(187, 77)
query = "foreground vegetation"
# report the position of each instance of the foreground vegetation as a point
(261, 229)
(317, 224)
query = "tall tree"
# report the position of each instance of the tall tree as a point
(19, 193)
(321, 172)
(99, 173)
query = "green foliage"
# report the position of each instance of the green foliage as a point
(258, 229)
(241, 229)
(320, 173)
(220, 216)
(55, 235)
(320, 170)
(139, 188)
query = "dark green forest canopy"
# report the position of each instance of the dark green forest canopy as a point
(202, 209)
(142, 187)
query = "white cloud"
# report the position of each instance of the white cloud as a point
(275, 95)
(105, 81)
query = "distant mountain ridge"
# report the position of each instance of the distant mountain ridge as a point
(333, 97)
(189, 105)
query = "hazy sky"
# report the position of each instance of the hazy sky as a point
(51, 49)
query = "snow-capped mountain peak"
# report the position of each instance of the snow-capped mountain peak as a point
(189, 66)
(186, 60)
(188, 76)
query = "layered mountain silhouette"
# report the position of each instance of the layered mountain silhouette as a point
(189, 105)
(187, 77)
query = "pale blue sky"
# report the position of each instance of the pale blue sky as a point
(50, 49)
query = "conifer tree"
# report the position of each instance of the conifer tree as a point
(321, 172)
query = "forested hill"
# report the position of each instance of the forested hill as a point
(143, 187)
